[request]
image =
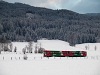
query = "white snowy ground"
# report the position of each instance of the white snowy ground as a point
(13, 63)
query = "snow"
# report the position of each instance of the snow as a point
(13, 63)
(19, 45)
(90, 46)
(70, 67)
(57, 45)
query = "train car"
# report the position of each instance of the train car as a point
(48, 53)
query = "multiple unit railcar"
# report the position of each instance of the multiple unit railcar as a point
(48, 53)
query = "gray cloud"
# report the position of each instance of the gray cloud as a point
(81, 6)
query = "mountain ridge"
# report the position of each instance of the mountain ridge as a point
(22, 22)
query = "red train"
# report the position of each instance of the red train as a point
(48, 53)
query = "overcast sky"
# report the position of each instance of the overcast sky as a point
(80, 6)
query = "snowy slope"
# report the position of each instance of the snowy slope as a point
(19, 45)
(13, 63)
(57, 45)
(90, 46)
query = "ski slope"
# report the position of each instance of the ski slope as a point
(13, 63)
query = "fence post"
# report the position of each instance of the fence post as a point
(92, 57)
(11, 58)
(3, 57)
(34, 57)
(19, 58)
(86, 57)
(41, 57)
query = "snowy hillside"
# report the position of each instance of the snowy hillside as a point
(89, 46)
(57, 45)
(47, 45)
(13, 64)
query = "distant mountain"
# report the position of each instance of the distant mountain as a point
(22, 22)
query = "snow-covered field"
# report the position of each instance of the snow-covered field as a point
(13, 63)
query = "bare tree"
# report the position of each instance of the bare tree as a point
(30, 44)
(95, 48)
(86, 47)
(15, 49)
(11, 47)
(27, 49)
(40, 50)
(24, 50)
(36, 49)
